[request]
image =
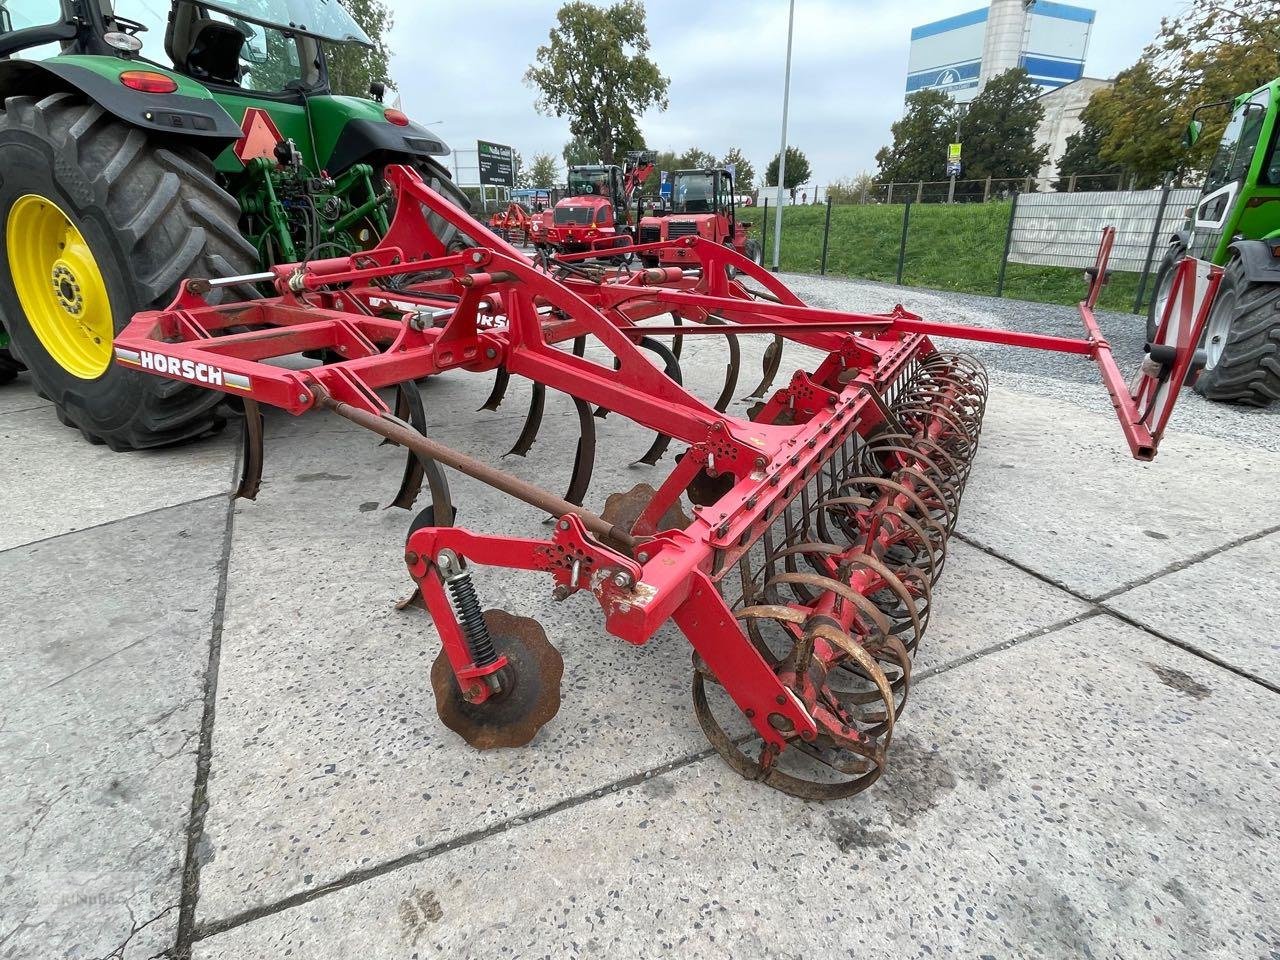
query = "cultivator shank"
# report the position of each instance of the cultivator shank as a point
(796, 548)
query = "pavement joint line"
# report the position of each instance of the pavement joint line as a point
(1189, 562)
(1009, 644)
(190, 891)
(34, 406)
(1100, 604)
(356, 877)
(108, 523)
(1192, 649)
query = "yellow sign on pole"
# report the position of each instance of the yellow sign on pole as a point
(953, 153)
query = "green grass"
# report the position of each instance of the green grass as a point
(955, 247)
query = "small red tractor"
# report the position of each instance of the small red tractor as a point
(703, 204)
(596, 215)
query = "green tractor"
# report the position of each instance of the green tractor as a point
(142, 146)
(1236, 224)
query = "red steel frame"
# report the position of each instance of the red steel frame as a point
(490, 306)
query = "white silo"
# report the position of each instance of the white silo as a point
(1005, 43)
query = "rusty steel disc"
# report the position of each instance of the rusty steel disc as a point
(530, 694)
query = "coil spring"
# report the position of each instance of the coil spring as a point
(466, 607)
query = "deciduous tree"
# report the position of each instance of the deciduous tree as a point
(745, 180)
(543, 171)
(998, 130)
(595, 70)
(797, 171)
(352, 68)
(920, 138)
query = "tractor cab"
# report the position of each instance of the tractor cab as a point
(1243, 181)
(594, 193)
(703, 203)
(1235, 225)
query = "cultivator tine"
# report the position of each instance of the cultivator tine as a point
(251, 452)
(501, 381)
(671, 366)
(532, 422)
(585, 457)
(579, 346)
(410, 409)
(771, 363)
(731, 371)
(677, 339)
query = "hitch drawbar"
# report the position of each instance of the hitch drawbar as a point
(796, 545)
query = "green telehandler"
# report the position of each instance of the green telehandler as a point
(1236, 224)
(143, 142)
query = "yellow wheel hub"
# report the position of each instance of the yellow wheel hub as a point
(59, 286)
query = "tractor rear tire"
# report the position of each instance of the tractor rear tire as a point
(1164, 284)
(1242, 341)
(140, 215)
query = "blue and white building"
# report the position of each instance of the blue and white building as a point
(960, 54)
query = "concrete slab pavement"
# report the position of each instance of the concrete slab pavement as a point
(1071, 796)
(1055, 490)
(55, 482)
(106, 645)
(1224, 606)
(329, 753)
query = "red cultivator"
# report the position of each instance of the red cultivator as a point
(801, 573)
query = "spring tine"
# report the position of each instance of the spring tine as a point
(771, 362)
(601, 412)
(732, 370)
(251, 461)
(580, 346)
(409, 407)
(499, 390)
(677, 340)
(584, 460)
(671, 366)
(532, 422)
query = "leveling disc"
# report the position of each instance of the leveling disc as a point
(530, 694)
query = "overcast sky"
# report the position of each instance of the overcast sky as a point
(462, 63)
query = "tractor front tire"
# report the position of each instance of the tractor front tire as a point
(1242, 341)
(98, 221)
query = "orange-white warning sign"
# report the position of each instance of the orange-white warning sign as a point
(260, 135)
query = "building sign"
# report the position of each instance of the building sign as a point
(497, 164)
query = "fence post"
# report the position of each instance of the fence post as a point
(1071, 185)
(986, 190)
(826, 235)
(1008, 245)
(764, 232)
(902, 245)
(920, 192)
(1165, 189)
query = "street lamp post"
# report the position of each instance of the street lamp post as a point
(782, 154)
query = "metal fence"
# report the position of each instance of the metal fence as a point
(1027, 245)
(962, 191)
